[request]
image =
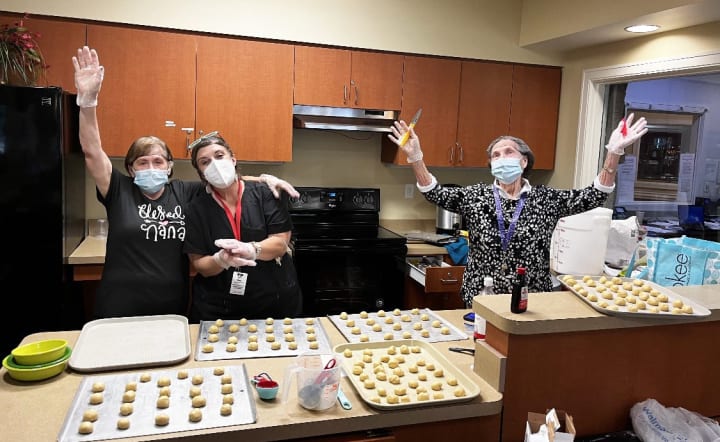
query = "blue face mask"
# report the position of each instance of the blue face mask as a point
(151, 180)
(506, 170)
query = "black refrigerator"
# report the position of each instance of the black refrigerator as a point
(42, 211)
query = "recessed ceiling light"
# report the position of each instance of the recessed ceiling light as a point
(642, 28)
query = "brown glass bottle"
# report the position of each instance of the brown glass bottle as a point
(519, 297)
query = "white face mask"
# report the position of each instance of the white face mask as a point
(221, 173)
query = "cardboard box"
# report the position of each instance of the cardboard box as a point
(553, 426)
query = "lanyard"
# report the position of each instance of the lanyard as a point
(234, 221)
(505, 236)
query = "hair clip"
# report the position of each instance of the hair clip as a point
(202, 138)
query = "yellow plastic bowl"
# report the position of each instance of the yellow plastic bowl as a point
(37, 374)
(40, 352)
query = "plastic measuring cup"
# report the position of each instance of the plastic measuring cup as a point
(318, 379)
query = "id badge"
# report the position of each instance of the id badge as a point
(238, 284)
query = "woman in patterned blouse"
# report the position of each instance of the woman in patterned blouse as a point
(510, 222)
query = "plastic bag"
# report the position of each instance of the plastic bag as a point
(623, 238)
(653, 422)
(680, 261)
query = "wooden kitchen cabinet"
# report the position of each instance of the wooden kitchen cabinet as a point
(478, 101)
(180, 86)
(430, 83)
(348, 78)
(484, 109)
(534, 110)
(244, 91)
(59, 40)
(149, 86)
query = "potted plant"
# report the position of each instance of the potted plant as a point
(21, 62)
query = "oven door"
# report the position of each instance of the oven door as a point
(346, 276)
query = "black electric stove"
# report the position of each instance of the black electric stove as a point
(345, 260)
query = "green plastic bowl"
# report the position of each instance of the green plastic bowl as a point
(40, 352)
(37, 374)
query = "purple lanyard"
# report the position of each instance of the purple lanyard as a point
(506, 235)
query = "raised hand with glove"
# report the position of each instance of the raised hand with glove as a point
(411, 147)
(625, 134)
(234, 253)
(88, 76)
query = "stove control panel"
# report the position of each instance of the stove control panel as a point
(343, 199)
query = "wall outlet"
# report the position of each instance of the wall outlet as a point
(409, 191)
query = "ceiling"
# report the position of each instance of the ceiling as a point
(668, 20)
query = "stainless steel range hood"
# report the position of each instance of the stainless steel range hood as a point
(342, 118)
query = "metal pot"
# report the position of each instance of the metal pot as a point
(447, 222)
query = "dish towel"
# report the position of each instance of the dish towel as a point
(458, 251)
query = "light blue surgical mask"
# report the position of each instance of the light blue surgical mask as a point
(506, 170)
(151, 180)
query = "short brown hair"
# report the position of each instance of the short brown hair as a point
(142, 146)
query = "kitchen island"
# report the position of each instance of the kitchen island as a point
(563, 354)
(35, 411)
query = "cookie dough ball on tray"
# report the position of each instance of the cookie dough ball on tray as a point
(90, 415)
(162, 419)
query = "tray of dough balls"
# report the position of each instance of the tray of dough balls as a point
(419, 324)
(631, 297)
(406, 373)
(259, 338)
(157, 402)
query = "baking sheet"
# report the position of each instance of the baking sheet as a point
(637, 295)
(139, 341)
(421, 324)
(373, 357)
(142, 418)
(307, 334)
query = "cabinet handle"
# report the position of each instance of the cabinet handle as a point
(451, 280)
(345, 94)
(451, 154)
(357, 91)
(462, 153)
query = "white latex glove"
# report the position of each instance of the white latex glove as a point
(237, 248)
(88, 77)
(411, 146)
(226, 260)
(626, 134)
(276, 185)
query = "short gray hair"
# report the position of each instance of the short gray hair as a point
(523, 148)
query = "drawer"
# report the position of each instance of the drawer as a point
(444, 279)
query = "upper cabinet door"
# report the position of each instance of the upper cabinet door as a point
(534, 110)
(432, 84)
(376, 81)
(245, 91)
(484, 114)
(149, 86)
(345, 78)
(322, 76)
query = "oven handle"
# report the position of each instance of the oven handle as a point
(393, 250)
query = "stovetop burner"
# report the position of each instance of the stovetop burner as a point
(339, 214)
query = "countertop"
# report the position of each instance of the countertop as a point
(92, 251)
(567, 313)
(36, 411)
